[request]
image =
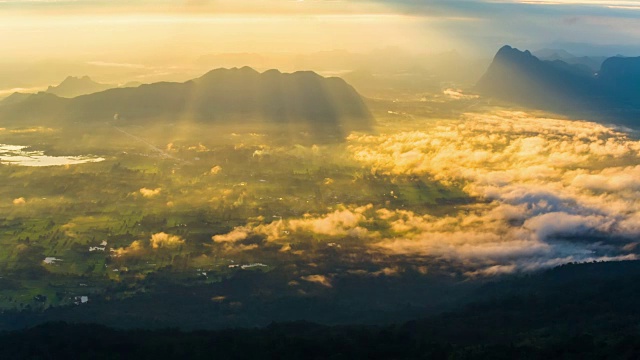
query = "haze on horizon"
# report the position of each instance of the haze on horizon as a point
(140, 33)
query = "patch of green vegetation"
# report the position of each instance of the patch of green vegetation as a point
(95, 222)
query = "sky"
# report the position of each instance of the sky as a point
(115, 41)
(119, 30)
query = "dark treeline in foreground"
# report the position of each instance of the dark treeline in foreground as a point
(294, 341)
(586, 311)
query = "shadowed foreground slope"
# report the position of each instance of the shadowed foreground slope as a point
(584, 311)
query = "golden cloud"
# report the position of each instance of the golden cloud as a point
(135, 248)
(318, 279)
(215, 170)
(164, 240)
(550, 191)
(149, 193)
(544, 179)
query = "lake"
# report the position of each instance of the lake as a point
(17, 155)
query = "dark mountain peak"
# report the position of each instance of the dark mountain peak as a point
(569, 88)
(620, 68)
(228, 72)
(508, 54)
(307, 74)
(506, 50)
(247, 73)
(520, 77)
(514, 68)
(272, 72)
(621, 78)
(76, 80)
(248, 69)
(509, 66)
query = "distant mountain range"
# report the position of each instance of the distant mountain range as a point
(221, 95)
(611, 94)
(70, 87)
(592, 63)
(75, 86)
(14, 98)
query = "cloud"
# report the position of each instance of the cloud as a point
(492, 271)
(560, 224)
(149, 193)
(164, 240)
(237, 234)
(19, 201)
(551, 193)
(457, 94)
(481, 236)
(285, 248)
(157, 241)
(614, 179)
(318, 279)
(215, 170)
(135, 248)
(341, 222)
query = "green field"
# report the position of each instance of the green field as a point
(94, 222)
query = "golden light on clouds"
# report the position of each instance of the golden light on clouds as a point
(547, 192)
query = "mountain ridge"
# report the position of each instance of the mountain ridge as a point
(591, 63)
(304, 97)
(73, 86)
(612, 94)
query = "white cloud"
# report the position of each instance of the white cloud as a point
(340, 222)
(135, 248)
(237, 234)
(149, 193)
(318, 279)
(164, 240)
(457, 94)
(345, 221)
(551, 191)
(548, 182)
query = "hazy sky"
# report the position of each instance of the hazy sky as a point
(125, 30)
